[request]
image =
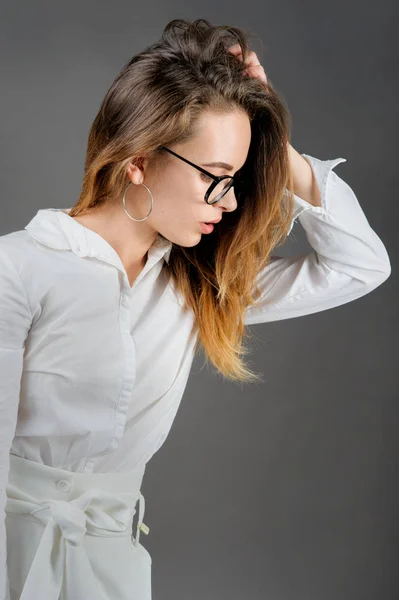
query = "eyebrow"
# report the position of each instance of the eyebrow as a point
(220, 165)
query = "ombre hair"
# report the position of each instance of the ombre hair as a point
(156, 100)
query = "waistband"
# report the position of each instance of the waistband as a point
(73, 505)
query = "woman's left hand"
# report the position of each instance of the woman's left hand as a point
(254, 68)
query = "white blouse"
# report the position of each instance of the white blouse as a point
(92, 370)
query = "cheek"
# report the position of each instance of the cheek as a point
(185, 199)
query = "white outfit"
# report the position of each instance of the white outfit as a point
(92, 370)
(50, 510)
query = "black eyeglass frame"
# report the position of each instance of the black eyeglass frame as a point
(216, 179)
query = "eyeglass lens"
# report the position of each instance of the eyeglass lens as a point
(220, 190)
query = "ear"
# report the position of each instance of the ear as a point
(135, 169)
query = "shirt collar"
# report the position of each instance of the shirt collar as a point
(54, 228)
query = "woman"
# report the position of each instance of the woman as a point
(103, 305)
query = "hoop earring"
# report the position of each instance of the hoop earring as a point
(124, 202)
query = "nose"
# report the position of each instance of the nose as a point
(228, 201)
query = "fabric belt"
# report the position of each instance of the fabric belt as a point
(71, 505)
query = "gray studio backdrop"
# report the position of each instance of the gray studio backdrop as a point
(285, 490)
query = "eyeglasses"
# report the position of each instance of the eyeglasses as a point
(218, 188)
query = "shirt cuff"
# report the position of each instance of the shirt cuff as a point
(321, 170)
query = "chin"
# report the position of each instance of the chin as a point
(186, 240)
(190, 243)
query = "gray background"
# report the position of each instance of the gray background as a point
(286, 490)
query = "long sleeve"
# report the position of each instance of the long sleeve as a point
(347, 261)
(15, 322)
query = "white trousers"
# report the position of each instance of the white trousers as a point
(69, 535)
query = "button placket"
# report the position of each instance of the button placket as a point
(64, 485)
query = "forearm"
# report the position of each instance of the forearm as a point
(305, 185)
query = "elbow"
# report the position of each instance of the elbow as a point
(387, 271)
(385, 268)
(376, 269)
(382, 269)
(377, 277)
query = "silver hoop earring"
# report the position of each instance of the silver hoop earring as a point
(124, 202)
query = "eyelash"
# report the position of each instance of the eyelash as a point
(209, 179)
(206, 178)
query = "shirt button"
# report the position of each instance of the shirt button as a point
(64, 485)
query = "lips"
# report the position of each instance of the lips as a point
(207, 227)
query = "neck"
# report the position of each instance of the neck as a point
(131, 240)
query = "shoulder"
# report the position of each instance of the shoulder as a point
(19, 248)
(21, 266)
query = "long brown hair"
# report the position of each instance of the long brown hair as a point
(156, 100)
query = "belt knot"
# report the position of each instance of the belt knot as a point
(69, 517)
